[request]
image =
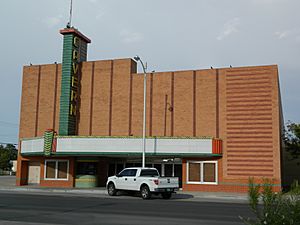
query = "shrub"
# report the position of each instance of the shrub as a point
(295, 188)
(275, 208)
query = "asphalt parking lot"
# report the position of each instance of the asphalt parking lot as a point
(7, 181)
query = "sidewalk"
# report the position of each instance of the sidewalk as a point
(7, 183)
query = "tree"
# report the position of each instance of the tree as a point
(292, 139)
(7, 153)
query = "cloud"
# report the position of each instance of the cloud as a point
(282, 34)
(100, 15)
(229, 28)
(53, 21)
(291, 34)
(130, 37)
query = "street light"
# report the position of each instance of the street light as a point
(138, 59)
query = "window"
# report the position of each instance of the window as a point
(194, 172)
(128, 173)
(209, 172)
(62, 169)
(50, 169)
(133, 172)
(56, 169)
(158, 167)
(202, 172)
(86, 168)
(149, 173)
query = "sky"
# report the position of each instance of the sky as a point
(167, 34)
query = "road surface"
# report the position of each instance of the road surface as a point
(31, 209)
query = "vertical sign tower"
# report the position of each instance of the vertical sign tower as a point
(74, 52)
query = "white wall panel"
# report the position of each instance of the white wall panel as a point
(32, 146)
(134, 145)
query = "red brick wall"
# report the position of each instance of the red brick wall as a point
(40, 100)
(105, 98)
(136, 105)
(22, 172)
(183, 104)
(161, 117)
(29, 101)
(120, 97)
(57, 97)
(101, 98)
(46, 99)
(249, 126)
(206, 104)
(85, 101)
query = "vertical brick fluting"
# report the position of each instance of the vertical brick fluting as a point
(183, 104)
(121, 97)
(85, 99)
(101, 98)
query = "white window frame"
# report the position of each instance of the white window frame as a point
(201, 174)
(56, 169)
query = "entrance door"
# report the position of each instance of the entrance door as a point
(173, 170)
(34, 173)
(168, 170)
(86, 173)
(178, 173)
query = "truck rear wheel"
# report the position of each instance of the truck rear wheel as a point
(111, 189)
(166, 195)
(145, 192)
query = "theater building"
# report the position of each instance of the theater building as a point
(81, 121)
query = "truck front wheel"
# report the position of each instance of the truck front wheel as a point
(145, 192)
(111, 190)
(166, 195)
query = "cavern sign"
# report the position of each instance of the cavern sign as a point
(74, 52)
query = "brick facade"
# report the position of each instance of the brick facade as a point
(238, 105)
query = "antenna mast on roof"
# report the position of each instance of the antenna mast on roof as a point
(69, 24)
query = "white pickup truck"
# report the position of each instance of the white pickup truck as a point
(143, 180)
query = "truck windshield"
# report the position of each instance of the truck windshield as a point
(149, 173)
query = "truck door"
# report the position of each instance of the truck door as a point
(126, 179)
(120, 184)
(131, 182)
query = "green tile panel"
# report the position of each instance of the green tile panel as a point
(67, 122)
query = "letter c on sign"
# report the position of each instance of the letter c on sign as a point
(76, 41)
